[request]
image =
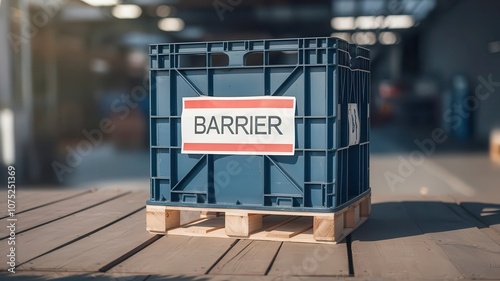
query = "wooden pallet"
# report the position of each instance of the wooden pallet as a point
(306, 227)
(495, 146)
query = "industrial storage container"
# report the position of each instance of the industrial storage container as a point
(329, 165)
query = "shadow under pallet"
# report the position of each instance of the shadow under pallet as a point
(306, 227)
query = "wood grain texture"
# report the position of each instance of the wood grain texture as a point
(365, 207)
(302, 233)
(247, 258)
(159, 219)
(390, 245)
(291, 228)
(299, 259)
(473, 253)
(86, 276)
(29, 199)
(243, 278)
(329, 228)
(74, 276)
(55, 211)
(478, 221)
(45, 238)
(97, 250)
(242, 225)
(206, 226)
(176, 255)
(488, 214)
(351, 217)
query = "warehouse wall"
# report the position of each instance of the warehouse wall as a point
(456, 42)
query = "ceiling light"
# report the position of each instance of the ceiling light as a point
(163, 11)
(388, 38)
(127, 11)
(343, 23)
(369, 22)
(171, 24)
(101, 2)
(364, 38)
(99, 66)
(342, 35)
(370, 38)
(494, 47)
(398, 22)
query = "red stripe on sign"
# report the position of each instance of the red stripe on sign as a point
(259, 147)
(253, 103)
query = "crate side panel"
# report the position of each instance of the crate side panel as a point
(162, 94)
(238, 180)
(238, 82)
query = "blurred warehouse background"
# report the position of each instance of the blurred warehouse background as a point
(70, 69)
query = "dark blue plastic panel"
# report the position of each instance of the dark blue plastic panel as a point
(325, 75)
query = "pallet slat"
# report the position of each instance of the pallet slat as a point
(459, 239)
(307, 260)
(32, 199)
(392, 246)
(257, 225)
(291, 228)
(98, 250)
(61, 209)
(176, 255)
(43, 239)
(247, 258)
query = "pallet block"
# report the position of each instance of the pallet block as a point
(495, 146)
(309, 227)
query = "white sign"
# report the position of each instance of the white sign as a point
(353, 116)
(239, 125)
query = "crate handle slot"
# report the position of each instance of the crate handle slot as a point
(219, 59)
(254, 58)
(192, 60)
(289, 57)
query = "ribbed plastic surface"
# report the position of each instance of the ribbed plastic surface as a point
(325, 75)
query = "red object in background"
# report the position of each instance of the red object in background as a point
(390, 90)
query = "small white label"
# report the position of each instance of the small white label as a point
(353, 116)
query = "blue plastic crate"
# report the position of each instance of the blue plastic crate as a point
(327, 76)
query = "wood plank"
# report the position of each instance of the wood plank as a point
(206, 226)
(32, 198)
(474, 254)
(299, 259)
(269, 223)
(96, 251)
(45, 238)
(292, 228)
(247, 258)
(241, 278)
(51, 275)
(176, 255)
(489, 214)
(466, 215)
(55, 211)
(390, 245)
(81, 276)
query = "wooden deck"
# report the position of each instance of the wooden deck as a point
(102, 233)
